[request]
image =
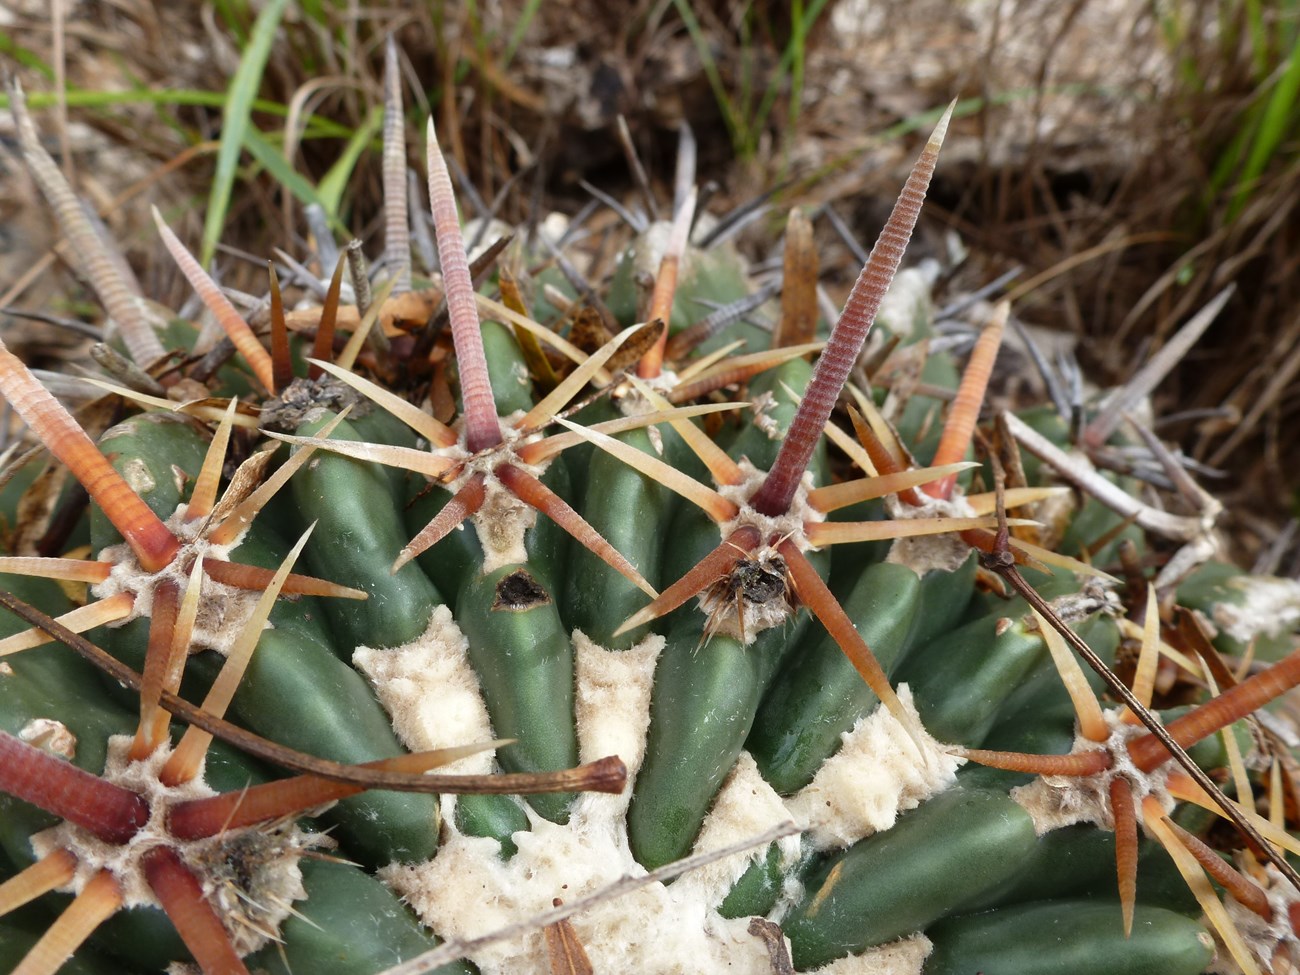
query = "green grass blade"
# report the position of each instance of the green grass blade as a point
(271, 158)
(235, 123)
(521, 27)
(792, 63)
(235, 14)
(1259, 42)
(9, 48)
(735, 125)
(330, 189)
(1275, 125)
(1229, 160)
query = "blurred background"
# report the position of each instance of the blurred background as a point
(1117, 163)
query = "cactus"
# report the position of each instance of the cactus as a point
(549, 581)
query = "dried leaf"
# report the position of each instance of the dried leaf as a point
(798, 323)
(589, 332)
(398, 315)
(564, 952)
(634, 348)
(539, 367)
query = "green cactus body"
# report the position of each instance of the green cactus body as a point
(360, 531)
(621, 502)
(901, 881)
(350, 924)
(705, 699)
(1078, 936)
(818, 696)
(524, 661)
(718, 276)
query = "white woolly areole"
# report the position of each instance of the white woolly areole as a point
(789, 525)
(503, 519)
(761, 406)
(719, 601)
(904, 957)
(925, 553)
(431, 694)
(1263, 938)
(1270, 607)
(266, 857)
(1053, 801)
(224, 610)
(631, 401)
(879, 771)
(467, 890)
(501, 524)
(1091, 596)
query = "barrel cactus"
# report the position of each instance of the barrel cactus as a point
(700, 697)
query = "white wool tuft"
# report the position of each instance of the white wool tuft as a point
(1264, 939)
(431, 692)
(224, 610)
(1054, 801)
(878, 772)
(1271, 607)
(612, 700)
(502, 520)
(925, 553)
(746, 806)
